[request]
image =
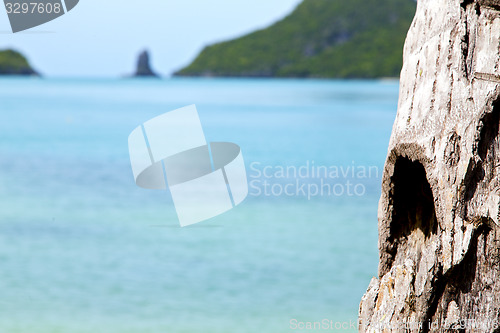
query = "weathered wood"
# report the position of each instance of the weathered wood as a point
(439, 216)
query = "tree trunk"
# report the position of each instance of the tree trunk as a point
(439, 221)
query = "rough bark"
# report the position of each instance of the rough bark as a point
(439, 220)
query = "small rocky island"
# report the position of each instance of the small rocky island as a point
(14, 63)
(439, 214)
(144, 66)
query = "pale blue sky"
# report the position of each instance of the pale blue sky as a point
(102, 37)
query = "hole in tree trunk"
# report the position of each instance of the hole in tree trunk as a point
(412, 200)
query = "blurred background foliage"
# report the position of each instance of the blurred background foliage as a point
(320, 38)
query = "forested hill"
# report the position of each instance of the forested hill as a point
(320, 38)
(14, 63)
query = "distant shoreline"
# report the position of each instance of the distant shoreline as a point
(215, 78)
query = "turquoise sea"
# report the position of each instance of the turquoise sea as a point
(84, 250)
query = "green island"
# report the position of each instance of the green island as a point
(14, 63)
(319, 39)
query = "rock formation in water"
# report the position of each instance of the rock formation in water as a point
(144, 66)
(439, 219)
(14, 63)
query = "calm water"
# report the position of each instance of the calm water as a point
(82, 249)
